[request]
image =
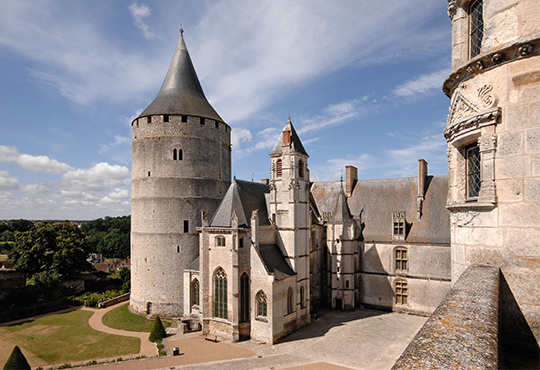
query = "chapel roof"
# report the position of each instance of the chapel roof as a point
(181, 92)
(296, 144)
(242, 198)
(274, 261)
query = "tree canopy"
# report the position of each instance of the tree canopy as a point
(109, 236)
(50, 252)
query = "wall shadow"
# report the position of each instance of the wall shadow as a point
(518, 348)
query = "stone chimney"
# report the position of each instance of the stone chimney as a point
(265, 181)
(351, 176)
(421, 191)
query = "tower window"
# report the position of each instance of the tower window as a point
(262, 304)
(148, 173)
(174, 155)
(165, 118)
(474, 180)
(279, 167)
(220, 294)
(301, 169)
(476, 27)
(217, 124)
(220, 241)
(290, 301)
(184, 119)
(203, 121)
(186, 226)
(180, 155)
(149, 119)
(402, 292)
(177, 249)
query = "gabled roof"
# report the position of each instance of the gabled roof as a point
(296, 144)
(274, 261)
(341, 211)
(242, 198)
(181, 92)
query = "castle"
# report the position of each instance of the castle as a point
(252, 260)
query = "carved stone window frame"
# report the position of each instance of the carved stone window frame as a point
(399, 225)
(470, 123)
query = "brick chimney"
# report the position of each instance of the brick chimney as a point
(265, 181)
(351, 176)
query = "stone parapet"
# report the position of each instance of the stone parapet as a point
(463, 331)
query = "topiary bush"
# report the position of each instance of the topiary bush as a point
(17, 361)
(158, 331)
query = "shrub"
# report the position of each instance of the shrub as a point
(158, 331)
(17, 361)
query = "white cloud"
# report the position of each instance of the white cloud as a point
(422, 84)
(8, 182)
(8, 153)
(139, 13)
(32, 163)
(335, 114)
(99, 177)
(333, 169)
(239, 135)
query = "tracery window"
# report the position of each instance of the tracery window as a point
(290, 301)
(220, 241)
(220, 294)
(476, 27)
(195, 292)
(279, 166)
(474, 179)
(244, 298)
(401, 259)
(402, 292)
(262, 304)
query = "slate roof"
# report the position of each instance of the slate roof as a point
(181, 92)
(274, 261)
(194, 265)
(243, 197)
(341, 211)
(375, 201)
(296, 144)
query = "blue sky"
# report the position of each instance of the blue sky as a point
(360, 79)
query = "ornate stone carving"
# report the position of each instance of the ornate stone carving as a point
(487, 97)
(452, 8)
(497, 57)
(487, 142)
(525, 49)
(480, 65)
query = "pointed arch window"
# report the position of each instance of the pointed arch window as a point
(262, 304)
(195, 292)
(290, 301)
(279, 168)
(220, 294)
(244, 298)
(301, 169)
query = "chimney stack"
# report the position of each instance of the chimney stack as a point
(422, 176)
(265, 181)
(351, 176)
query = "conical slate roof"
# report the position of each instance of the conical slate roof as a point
(242, 198)
(181, 92)
(296, 144)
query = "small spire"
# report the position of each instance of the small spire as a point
(181, 30)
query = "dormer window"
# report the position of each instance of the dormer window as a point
(398, 225)
(476, 27)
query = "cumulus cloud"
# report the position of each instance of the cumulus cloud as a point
(99, 177)
(240, 135)
(8, 182)
(32, 163)
(139, 13)
(422, 84)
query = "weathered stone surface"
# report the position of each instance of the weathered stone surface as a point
(462, 333)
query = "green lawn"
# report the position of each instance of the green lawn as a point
(63, 338)
(121, 318)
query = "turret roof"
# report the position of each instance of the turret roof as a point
(296, 144)
(181, 92)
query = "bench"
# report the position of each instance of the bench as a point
(211, 337)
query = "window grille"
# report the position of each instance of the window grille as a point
(220, 294)
(402, 292)
(262, 304)
(476, 27)
(401, 259)
(474, 180)
(195, 292)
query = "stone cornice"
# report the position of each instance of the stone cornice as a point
(487, 61)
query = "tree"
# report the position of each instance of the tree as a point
(50, 252)
(158, 331)
(17, 361)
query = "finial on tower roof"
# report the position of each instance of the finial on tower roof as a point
(181, 30)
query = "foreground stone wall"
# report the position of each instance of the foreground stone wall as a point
(463, 331)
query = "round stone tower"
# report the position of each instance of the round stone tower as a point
(181, 165)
